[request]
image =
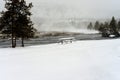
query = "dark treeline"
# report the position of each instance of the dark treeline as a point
(106, 28)
(15, 21)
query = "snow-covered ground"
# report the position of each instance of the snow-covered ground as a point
(82, 60)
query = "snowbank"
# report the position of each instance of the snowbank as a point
(84, 60)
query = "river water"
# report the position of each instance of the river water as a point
(5, 43)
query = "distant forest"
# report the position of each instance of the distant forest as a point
(107, 28)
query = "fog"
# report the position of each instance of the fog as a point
(78, 8)
(68, 15)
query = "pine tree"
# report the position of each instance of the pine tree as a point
(102, 30)
(8, 18)
(90, 26)
(1, 21)
(97, 25)
(25, 25)
(118, 25)
(113, 27)
(16, 20)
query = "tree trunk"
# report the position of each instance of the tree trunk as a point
(15, 41)
(22, 42)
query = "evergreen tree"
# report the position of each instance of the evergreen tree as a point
(118, 25)
(97, 25)
(1, 26)
(16, 20)
(90, 26)
(101, 28)
(113, 27)
(104, 29)
(7, 20)
(26, 29)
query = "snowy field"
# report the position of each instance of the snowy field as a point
(82, 60)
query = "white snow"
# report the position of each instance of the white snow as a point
(83, 60)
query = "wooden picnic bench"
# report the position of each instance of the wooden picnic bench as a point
(66, 40)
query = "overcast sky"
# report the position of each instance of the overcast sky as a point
(80, 8)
